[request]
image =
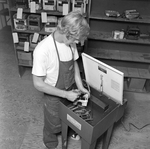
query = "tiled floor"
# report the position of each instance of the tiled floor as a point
(21, 116)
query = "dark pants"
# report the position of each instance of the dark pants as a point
(52, 122)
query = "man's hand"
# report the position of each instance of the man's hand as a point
(72, 95)
(86, 92)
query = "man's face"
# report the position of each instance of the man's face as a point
(71, 40)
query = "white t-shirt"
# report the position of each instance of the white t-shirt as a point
(45, 59)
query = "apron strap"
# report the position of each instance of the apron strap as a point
(57, 48)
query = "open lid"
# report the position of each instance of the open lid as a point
(104, 78)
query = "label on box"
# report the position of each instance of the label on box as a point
(65, 9)
(73, 121)
(33, 7)
(35, 37)
(15, 37)
(26, 46)
(44, 17)
(19, 13)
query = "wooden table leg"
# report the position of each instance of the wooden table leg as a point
(85, 145)
(64, 135)
(107, 137)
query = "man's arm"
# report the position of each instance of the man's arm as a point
(40, 85)
(78, 80)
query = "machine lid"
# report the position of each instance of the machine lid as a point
(104, 78)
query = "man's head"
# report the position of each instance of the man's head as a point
(74, 26)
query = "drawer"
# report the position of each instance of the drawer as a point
(24, 55)
(25, 62)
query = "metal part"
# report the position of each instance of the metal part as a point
(81, 111)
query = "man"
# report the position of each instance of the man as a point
(55, 69)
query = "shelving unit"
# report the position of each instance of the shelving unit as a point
(129, 56)
(25, 57)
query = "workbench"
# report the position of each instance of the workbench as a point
(102, 123)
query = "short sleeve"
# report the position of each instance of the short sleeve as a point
(39, 63)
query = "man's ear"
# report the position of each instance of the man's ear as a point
(67, 36)
(82, 42)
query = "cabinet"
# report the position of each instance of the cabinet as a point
(32, 21)
(131, 56)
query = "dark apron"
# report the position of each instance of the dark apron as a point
(51, 103)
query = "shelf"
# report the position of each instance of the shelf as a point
(27, 65)
(21, 48)
(134, 72)
(124, 56)
(52, 12)
(119, 55)
(143, 19)
(136, 90)
(131, 56)
(107, 36)
(42, 32)
(25, 59)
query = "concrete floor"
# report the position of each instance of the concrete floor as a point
(21, 116)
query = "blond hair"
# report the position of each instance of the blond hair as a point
(74, 25)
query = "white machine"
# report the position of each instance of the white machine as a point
(60, 4)
(51, 24)
(104, 78)
(79, 5)
(38, 4)
(49, 4)
(20, 24)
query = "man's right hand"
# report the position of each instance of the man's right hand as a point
(72, 95)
